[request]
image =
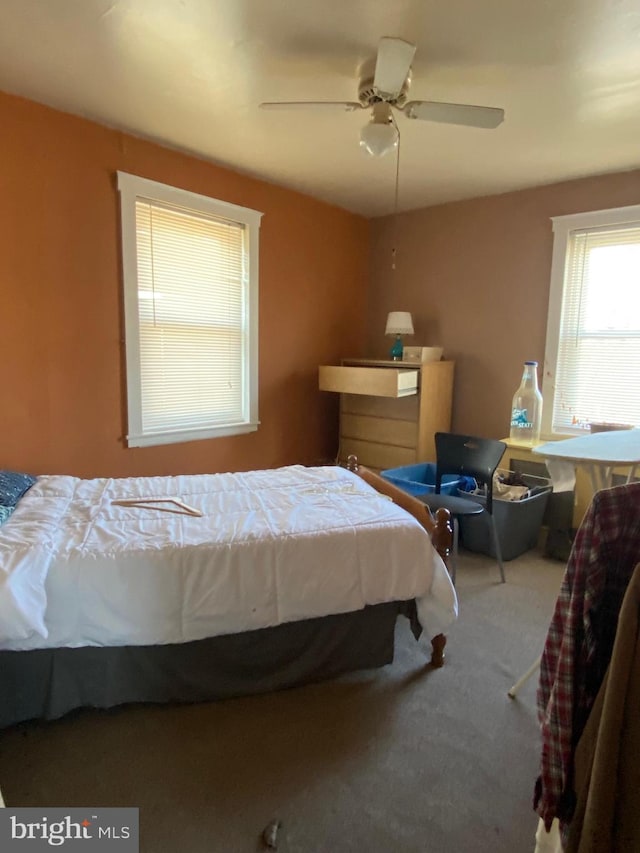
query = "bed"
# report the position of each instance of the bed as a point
(203, 587)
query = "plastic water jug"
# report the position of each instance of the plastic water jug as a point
(526, 408)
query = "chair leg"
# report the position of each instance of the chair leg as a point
(496, 542)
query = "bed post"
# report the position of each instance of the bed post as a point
(438, 528)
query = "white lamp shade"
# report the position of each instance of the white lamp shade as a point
(378, 138)
(399, 323)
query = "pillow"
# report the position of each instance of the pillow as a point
(13, 485)
(5, 512)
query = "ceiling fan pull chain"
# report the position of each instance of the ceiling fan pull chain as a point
(394, 229)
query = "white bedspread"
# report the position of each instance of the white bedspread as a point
(271, 546)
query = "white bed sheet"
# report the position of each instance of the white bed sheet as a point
(271, 546)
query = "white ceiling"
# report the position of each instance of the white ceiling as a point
(191, 73)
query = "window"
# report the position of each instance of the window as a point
(592, 357)
(190, 266)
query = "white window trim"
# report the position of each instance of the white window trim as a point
(562, 228)
(132, 187)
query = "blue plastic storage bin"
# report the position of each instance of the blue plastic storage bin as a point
(420, 479)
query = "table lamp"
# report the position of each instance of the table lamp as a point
(398, 323)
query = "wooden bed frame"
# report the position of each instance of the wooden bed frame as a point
(438, 528)
(48, 683)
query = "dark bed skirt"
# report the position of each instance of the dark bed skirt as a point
(48, 683)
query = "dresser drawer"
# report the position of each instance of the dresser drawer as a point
(374, 381)
(375, 455)
(394, 408)
(381, 430)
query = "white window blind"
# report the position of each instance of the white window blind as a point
(594, 376)
(190, 307)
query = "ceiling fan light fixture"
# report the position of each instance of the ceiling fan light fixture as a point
(378, 138)
(387, 91)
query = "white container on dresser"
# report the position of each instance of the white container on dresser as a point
(390, 410)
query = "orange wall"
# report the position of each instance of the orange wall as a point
(63, 373)
(475, 274)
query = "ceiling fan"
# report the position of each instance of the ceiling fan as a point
(389, 87)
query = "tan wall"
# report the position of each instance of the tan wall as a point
(61, 357)
(475, 275)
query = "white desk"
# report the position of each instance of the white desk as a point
(598, 454)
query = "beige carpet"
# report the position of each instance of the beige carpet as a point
(397, 759)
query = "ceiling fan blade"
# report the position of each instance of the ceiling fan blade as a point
(467, 114)
(392, 65)
(347, 106)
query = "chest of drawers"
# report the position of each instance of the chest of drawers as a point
(389, 410)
